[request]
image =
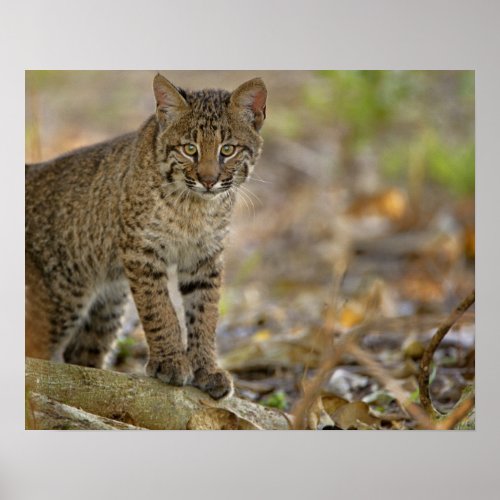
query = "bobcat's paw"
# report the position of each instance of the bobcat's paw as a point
(216, 383)
(174, 370)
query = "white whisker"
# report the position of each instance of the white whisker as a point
(181, 195)
(250, 193)
(246, 199)
(258, 179)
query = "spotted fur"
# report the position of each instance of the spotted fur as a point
(110, 219)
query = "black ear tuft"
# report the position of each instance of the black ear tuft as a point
(182, 92)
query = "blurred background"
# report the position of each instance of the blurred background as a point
(366, 180)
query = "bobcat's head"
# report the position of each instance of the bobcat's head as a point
(208, 140)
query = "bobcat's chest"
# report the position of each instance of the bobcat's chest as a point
(187, 235)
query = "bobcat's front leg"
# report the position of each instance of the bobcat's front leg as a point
(168, 359)
(199, 286)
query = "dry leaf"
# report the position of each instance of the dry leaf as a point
(405, 370)
(419, 287)
(352, 314)
(318, 418)
(332, 403)
(391, 203)
(413, 348)
(350, 415)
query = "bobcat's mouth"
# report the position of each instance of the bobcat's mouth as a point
(219, 187)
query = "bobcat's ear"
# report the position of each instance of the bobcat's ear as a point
(169, 101)
(250, 97)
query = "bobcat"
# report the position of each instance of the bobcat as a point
(109, 219)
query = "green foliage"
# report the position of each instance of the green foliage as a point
(277, 399)
(42, 79)
(360, 101)
(411, 120)
(450, 165)
(453, 166)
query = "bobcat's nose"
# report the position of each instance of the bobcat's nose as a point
(208, 180)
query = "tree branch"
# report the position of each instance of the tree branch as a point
(443, 329)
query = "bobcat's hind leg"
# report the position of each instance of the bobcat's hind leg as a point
(37, 325)
(97, 332)
(39, 315)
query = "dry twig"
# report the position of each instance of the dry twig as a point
(314, 386)
(443, 329)
(335, 349)
(332, 356)
(392, 386)
(458, 414)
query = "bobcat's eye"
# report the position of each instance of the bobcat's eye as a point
(227, 150)
(190, 149)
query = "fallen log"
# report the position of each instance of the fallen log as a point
(48, 414)
(139, 402)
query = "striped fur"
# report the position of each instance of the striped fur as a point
(109, 219)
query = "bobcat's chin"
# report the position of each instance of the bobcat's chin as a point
(209, 194)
